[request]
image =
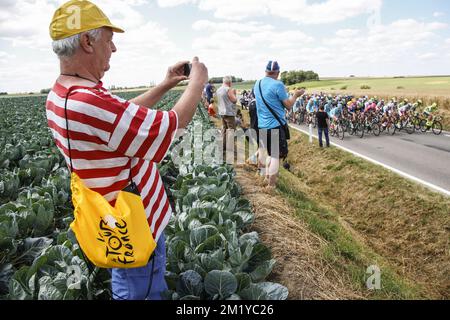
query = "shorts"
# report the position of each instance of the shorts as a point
(134, 283)
(268, 139)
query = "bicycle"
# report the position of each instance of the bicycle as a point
(435, 126)
(337, 129)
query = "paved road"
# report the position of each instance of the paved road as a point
(422, 157)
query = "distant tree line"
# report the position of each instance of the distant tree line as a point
(220, 79)
(3, 93)
(293, 77)
(113, 87)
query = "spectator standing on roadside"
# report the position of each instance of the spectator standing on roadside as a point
(323, 123)
(226, 101)
(272, 100)
(108, 141)
(209, 91)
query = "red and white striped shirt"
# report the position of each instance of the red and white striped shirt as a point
(106, 133)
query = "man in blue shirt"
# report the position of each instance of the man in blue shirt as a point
(271, 93)
(209, 91)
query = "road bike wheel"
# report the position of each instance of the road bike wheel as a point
(409, 127)
(376, 129)
(391, 129)
(417, 124)
(350, 129)
(437, 128)
(423, 126)
(360, 130)
(341, 132)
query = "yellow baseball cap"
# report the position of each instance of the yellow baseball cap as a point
(77, 16)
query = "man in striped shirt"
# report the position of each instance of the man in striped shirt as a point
(111, 138)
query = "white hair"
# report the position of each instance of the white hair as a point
(65, 48)
(227, 79)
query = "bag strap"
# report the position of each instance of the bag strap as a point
(68, 138)
(67, 129)
(268, 107)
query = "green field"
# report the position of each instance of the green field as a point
(424, 86)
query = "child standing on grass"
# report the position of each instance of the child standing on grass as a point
(212, 109)
(239, 119)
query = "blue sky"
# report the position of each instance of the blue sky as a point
(237, 37)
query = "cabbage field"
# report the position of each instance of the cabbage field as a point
(212, 254)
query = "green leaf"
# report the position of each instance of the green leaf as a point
(212, 243)
(60, 282)
(200, 234)
(6, 273)
(221, 283)
(18, 286)
(243, 280)
(33, 248)
(8, 232)
(262, 271)
(234, 297)
(209, 262)
(37, 265)
(190, 283)
(254, 292)
(244, 218)
(260, 254)
(274, 291)
(251, 237)
(26, 220)
(17, 292)
(47, 291)
(190, 297)
(59, 256)
(44, 218)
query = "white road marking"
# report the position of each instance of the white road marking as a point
(404, 174)
(447, 135)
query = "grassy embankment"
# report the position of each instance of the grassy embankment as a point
(371, 215)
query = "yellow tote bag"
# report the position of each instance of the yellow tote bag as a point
(111, 237)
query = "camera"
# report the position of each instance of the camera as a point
(187, 69)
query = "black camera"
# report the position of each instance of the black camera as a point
(187, 69)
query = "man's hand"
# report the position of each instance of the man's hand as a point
(199, 73)
(187, 105)
(299, 93)
(175, 74)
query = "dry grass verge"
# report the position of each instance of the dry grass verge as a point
(300, 265)
(403, 222)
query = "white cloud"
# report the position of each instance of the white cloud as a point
(295, 10)
(447, 41)
(144, 51)
(427, 56)
(438, 14)
(347, 33)
(25, 23)
(325, 12)
(252, 26)
(173, 3)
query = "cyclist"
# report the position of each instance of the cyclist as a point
(429, 113)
